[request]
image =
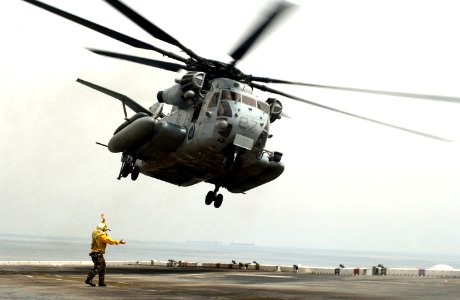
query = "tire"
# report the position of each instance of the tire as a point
(127, 169)
(210, 197)
(218, 201)
(135, 173)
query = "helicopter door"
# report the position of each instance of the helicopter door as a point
(196, 112)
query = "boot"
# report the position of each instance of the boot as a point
(89, 281)
(102, 281)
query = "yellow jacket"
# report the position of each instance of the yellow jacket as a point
(100, 241)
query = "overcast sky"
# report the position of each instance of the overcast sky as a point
(348, 183)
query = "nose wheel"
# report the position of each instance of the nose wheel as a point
(212, 196)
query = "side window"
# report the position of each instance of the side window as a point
(224, 110)
(249, 101)
(214, 99)
(263, 106)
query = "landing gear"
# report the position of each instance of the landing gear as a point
(135, 173)
(128, 167)
(218, 200)
(212, 196)
(125, 170)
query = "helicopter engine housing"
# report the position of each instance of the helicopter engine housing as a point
(276, 108)
(132, 135)
(173, 96)
(185, 91)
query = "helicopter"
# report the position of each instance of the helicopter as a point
(217, 129)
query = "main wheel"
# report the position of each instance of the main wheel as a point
(210, 197)
(218, 201)
(135, 173)
(127, 169)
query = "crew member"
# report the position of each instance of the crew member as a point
(100, 239)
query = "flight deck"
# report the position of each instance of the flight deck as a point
(45, 281)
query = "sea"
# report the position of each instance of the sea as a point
(24, 248)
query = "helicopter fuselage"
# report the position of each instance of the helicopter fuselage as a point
(219, 139)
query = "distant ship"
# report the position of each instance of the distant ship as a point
(242, 244)
(213, 243)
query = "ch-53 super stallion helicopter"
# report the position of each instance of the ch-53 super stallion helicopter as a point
(217, 128)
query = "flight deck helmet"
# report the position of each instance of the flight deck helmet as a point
(102, 226)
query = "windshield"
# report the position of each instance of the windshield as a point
(230, 95)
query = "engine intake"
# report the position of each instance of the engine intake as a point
(276, 108)
(185, 91)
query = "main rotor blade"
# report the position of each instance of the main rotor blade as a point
(104, 30)
(388, 93)
(154, 30)
(144, 61)
(267, 89)
(256, 33)
(124, 99)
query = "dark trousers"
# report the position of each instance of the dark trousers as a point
(99, 266)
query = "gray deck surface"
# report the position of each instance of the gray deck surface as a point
(145, 282)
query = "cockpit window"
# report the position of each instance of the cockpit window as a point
(214, 99)
(224, 110)
(249, 101)
(229, 95)
(263, 106)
